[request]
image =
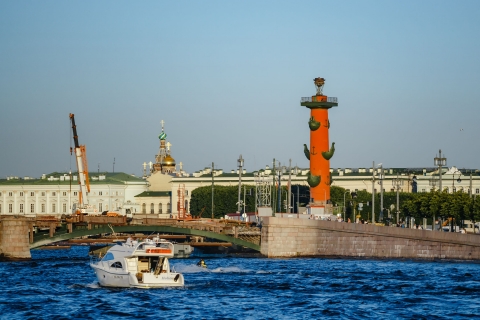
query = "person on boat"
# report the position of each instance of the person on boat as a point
(202, 263)
(129, 241)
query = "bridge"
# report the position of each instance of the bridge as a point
(18, 236)
(235, 232)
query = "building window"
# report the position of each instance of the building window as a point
(32, 194)
(169, 208)
(160, 208)
(43, 207)
(21, 194)
(21, 207)
(64, 208)
(75, 193)
(64, 193)
(423, 190)
(10, 194)
(54, 194)
(186, 205)
(100, 207)
(186, 192)
(32, 208)
(43, 194)
(477, 190)
(144, 208)
(454, 189)
(53, 208)
(10, 208)
(100, 193)
(0, 194)
(152, 208)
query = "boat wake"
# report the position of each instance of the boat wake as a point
(196, 269)
(190, 268)
(93, 285)
(230, 270)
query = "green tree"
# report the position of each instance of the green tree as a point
(225, 200)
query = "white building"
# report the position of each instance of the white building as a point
(55, 194)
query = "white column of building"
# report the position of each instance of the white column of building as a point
(47, 202)
(37, 203)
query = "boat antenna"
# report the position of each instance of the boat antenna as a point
(113, 231)
(150, 235)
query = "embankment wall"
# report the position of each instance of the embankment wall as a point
(292, 237)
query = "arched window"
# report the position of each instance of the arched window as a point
(144, 208)
(152, 208)
(160, 209)
(116, 264)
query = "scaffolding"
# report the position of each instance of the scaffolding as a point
(264, 190)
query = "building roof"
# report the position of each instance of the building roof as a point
(56, 178)
(154, 194)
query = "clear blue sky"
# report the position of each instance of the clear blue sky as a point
(227, 78)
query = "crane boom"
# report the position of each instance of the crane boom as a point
(82, 167)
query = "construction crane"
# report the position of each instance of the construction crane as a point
(82, 207)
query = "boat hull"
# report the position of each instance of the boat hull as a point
(122, 279)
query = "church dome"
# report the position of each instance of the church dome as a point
(168, 161)
(162, 136)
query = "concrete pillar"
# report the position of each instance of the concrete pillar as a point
(14, 238)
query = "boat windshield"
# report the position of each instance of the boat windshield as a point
(108, 256)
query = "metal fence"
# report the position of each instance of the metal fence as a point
(329, 99)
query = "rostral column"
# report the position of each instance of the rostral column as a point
(320, 152)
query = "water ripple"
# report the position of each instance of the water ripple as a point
(60, 285)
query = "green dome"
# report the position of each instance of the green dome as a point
(162, 136)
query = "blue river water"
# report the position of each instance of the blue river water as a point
(59, 284)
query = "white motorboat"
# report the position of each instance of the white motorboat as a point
(142, 265)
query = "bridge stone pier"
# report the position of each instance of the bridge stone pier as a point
(291, 237)
(15, 233)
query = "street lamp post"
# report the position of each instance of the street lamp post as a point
(397, 183)
(380, 177)
(354, 196)
(344, 207)
(440, 162)
(244, 214)
(433, 183)
(240, 168)
(470, 189)
(373, 192)
(213, 189)
(289, 204)
(279, 192)
(458, 180)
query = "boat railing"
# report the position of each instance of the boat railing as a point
(95, 259)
